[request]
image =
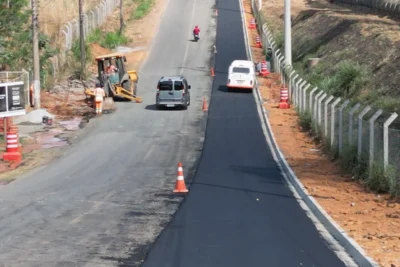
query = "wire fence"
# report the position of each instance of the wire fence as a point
(391, 7)
(70, 31)
(344, 126)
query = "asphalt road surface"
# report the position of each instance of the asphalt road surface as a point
(110, 195)
(239, 212)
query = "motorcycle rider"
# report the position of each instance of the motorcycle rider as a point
(196, 31)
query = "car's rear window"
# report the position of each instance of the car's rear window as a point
(165, 86)
(178, 85)
(241, 70)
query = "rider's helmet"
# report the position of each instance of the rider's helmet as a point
(98, 85)
(196, 26)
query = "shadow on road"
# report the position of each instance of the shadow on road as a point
(243, 190)
(224, 88)
(154, 108)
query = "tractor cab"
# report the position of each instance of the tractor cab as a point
(106, 65)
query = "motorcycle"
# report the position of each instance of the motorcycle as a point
(196, 37)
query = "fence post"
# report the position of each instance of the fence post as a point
(326, 115)
(360, 132)
(343, 106)
(304, 106)
(296, 90)
(386, 139)
(320, 108)
(290, 83)
(371, 136)
(351, 113)
(300, 94)
(333, 116)
(293, 82)
(316, 105)
(311, 103)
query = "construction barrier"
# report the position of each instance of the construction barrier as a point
(284, 98)
(258, 42)
(252, 24)
(264, 71)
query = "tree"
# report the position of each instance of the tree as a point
(14, 32)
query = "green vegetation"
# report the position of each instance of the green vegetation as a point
(108, 39)
(16, 40)
(142, 9)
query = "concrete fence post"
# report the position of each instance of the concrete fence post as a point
(333, 118)
(351, 114)
(300, 94)
(326, 115)
(293, 83)
(296, 90)
(372, 136)
(386, 139)
(320, 108)
(98, 11)
(311, 99)
(304, 105)
(341, 108)
(360, 131)
(290, 84)
(316, 101)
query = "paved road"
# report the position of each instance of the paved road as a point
(239, 212)
(111, 193)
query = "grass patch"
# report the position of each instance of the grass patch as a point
(142, 9)
(108, 40)
(305, 121)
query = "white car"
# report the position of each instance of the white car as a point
(241, 75)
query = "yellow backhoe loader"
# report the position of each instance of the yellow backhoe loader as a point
(118, 84)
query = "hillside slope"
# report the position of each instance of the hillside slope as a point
(335, 34)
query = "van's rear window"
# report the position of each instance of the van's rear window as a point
(178, 85)
(240, 70)
(166, 86)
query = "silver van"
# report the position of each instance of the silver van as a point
(173, 91)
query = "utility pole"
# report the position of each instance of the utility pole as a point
(121, 17)
(36, 66)
(82, 38)
(288, 34)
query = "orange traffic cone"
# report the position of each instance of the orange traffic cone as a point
(205, 107)
(180, 186)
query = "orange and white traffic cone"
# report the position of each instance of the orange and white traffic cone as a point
(252, 24)
(258, 42)
(284, 98)
(205, 107)
(180, 186)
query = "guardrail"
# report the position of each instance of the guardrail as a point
(341, 123)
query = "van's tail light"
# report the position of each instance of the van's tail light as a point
(229, 81)
(158, 91)
(251, 82)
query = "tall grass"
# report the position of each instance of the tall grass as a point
(142, 9)
(109, 40)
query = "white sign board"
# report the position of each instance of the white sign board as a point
(12, 100)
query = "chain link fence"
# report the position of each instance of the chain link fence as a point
(346, 127)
